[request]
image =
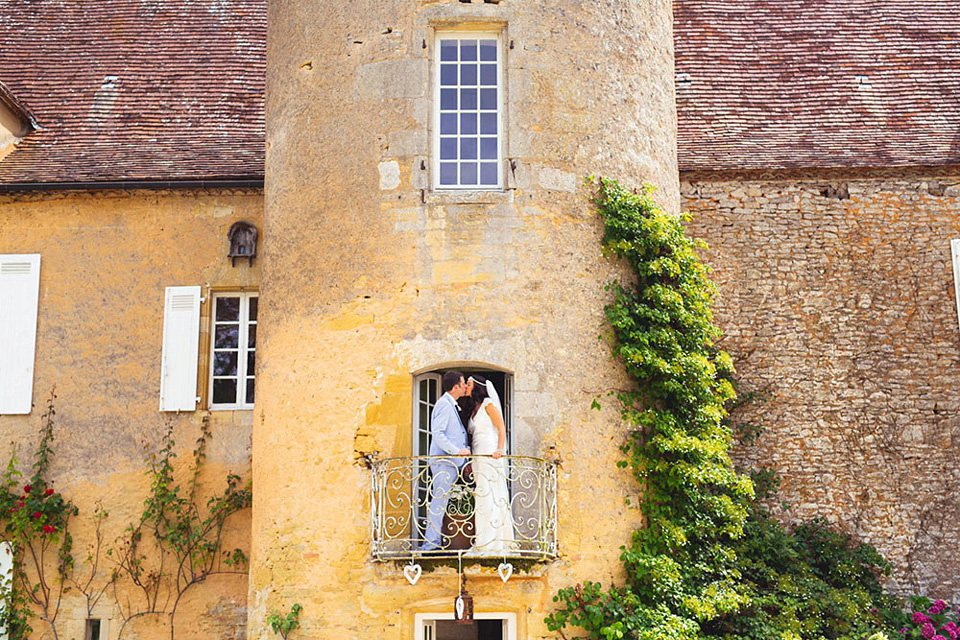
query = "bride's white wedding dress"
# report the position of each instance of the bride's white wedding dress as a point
(493, 516)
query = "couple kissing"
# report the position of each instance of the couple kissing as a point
(493, 516)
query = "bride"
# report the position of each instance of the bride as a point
(493, 515)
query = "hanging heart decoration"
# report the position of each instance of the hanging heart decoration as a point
(412, 573)
(505, 569)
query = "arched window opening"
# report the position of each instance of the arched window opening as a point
(427, 391)
(446, 505)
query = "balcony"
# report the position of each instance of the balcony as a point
(525, 490)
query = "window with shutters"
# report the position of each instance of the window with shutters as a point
(468, 95)
(19, 296)
(227, 373)
(233, 350)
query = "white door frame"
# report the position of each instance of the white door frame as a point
(425, 629)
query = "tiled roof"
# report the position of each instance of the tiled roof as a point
(136, 90)
(834, 83)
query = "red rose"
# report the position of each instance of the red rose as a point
(37, 515)
(49, 528)
(20, 504)
(48, 492)
(26, 489)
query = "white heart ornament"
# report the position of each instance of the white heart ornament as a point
(505, 569)
(412, 573)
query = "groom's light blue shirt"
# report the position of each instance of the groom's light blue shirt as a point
(449, 436)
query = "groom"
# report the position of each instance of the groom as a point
(449, 438)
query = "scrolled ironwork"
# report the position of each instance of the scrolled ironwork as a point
(484, 492)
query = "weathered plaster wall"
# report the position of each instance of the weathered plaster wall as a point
(837, 292)
(105, 261)
(371, 277)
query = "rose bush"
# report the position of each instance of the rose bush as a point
(930, 620)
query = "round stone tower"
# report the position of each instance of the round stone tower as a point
(426, 210)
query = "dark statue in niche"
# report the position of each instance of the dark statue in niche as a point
(243, 242)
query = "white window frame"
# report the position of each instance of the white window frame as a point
(104, 628)
(6, 578)
(425, 623)
(242, 351)
(425, 403)
(955, 255)
(472, 35)
(420, 402)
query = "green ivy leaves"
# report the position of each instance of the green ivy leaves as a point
(664, 334)
(283, 625)
(710, 563)
(680, 567)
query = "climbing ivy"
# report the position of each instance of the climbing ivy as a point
(284, 625)
(178, 541)
(709, 562)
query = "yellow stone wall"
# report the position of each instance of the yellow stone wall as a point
(371, 277)
(105, 261)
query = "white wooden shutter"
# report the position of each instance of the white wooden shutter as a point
(955, 251)
(6, 580)
(19, 293)
(181, 343)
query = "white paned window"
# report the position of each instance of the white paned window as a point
(233, 350)
(181, 345)
(468, 113)
(955, 252)
(19, 295)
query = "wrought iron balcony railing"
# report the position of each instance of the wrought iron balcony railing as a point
(494, 508)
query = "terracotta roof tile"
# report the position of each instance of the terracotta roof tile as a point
(834, 83)
(136, 89)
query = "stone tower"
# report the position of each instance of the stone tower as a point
(426, 211)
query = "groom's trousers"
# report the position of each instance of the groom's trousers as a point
(444, 475)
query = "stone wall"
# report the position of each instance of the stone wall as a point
(836, 291)
(371, 277)
(106, 259)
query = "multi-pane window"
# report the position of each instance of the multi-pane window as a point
(233, 356)
(468, 114)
